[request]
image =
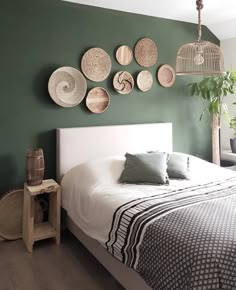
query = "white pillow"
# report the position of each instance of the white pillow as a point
(105, 170)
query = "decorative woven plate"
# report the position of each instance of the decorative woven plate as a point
(96, 64)
(123, 82)
(97, 100)
(144, 81)
(11, 214)
(124, 55)
(67, 86)
(146, 52)
(166, 76)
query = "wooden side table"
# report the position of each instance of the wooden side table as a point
(51, 229)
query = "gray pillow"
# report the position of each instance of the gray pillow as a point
(145, 168)
(178, 166)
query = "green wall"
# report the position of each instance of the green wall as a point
(39, 36)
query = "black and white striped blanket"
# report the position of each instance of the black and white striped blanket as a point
(184, 239)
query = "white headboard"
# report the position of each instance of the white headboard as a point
(77, 145)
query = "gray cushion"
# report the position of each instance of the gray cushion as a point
(178, 166)
(145, 168)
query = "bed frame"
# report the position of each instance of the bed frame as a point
(77, 145)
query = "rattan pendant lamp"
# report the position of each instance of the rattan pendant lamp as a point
(200, 57)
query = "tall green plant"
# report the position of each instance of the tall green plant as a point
(212, 91)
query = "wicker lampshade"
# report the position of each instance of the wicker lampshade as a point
(200, 57)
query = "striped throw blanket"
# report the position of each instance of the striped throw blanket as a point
(184, 239)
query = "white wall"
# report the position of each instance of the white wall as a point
(229, 50)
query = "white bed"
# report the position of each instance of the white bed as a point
(77, 145)
(99, 152)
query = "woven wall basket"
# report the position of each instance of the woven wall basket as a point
(97, 100)
(166, 76)
(123, 82)
(11, 214)
(124, 55)
(144, 81)
(67, 87)
(96, 64)
(146, 52)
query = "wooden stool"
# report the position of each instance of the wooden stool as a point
(51, 229)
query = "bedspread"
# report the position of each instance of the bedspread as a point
(183, 239)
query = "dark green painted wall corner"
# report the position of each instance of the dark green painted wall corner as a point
(39, 36)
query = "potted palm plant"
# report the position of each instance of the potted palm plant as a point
(213, 90)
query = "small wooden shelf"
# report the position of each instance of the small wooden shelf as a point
(47, 186)
(51, 229)
(43, 231)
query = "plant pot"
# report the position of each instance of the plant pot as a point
(233, 145)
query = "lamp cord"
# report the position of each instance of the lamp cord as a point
(199, 8)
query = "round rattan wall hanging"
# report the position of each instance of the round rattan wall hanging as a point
(123, 82)
(166, 76)
(67, 86)
(124, 55)
(97, 100)
(96, 64)
(144, 81)
(11, 214)
(146, 52)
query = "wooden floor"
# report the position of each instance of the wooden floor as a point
(66, 267)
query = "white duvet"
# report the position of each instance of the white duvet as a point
(91, 194)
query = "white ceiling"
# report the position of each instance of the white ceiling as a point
(218, 15)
